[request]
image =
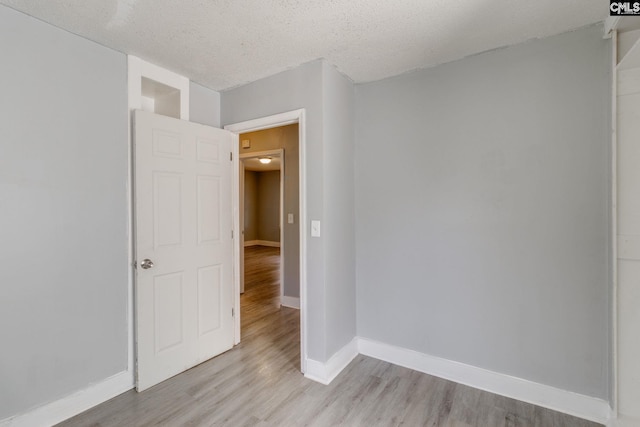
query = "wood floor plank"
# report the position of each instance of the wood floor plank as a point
(259, 383)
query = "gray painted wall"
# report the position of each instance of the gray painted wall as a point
(269, 206)
(204, 105)
(482, 211)
(481, 208)
(300, 87)
(250, 205)
(63, 163)
(285, 137)
(304, 87)
(339, 207)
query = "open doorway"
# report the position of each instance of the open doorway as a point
(262, 233)
(261, 210)
(269, 221)
(287, 133)
(269, 157)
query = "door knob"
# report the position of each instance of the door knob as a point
(146, 264)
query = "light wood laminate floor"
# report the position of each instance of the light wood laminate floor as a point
(259, 383)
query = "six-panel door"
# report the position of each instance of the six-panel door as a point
(183, 226)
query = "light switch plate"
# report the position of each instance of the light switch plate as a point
(315, 228)
(290, 218)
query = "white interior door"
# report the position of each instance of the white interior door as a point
(183, 223)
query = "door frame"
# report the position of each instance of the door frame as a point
(277, 120)
(136, 70)
(278, 152)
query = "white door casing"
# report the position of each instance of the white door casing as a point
(282, 119)
(183, 224)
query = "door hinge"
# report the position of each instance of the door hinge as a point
(231, 156)
(233, 312)
(232, 234)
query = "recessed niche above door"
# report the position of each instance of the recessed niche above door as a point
(160, 99)
(156, 90)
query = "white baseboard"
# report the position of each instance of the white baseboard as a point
(261, 243)
(324, 373)
(579, 405)
(73, 404)
(292, 302)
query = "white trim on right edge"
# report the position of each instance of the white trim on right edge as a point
(613, 220)
(579, 405)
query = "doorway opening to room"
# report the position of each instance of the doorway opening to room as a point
(269, 220)
(262, 233)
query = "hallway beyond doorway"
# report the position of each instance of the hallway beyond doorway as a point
(262, 288)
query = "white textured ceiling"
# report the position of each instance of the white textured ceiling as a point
(225, 43)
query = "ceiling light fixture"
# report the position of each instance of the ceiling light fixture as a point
(265, 160)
